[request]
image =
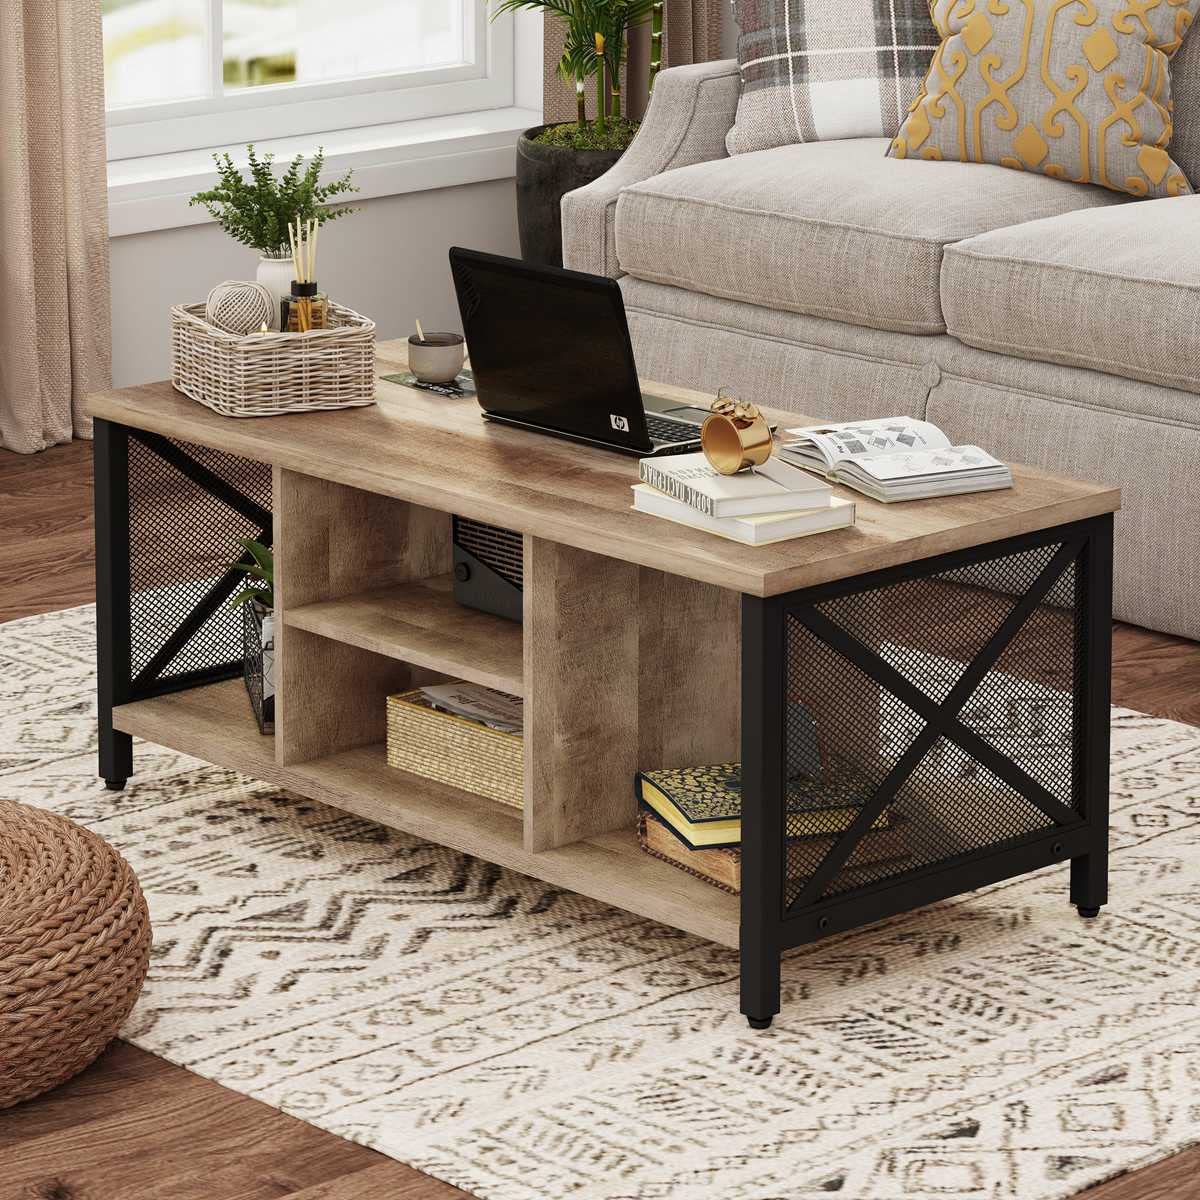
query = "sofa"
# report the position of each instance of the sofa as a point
(1055, 324)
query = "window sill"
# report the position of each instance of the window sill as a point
(152, 193)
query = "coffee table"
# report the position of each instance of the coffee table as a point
(941, 669)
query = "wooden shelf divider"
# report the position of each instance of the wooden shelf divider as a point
(422, 624)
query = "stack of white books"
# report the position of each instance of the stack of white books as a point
(771, 503)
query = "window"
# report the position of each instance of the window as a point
(184, 74)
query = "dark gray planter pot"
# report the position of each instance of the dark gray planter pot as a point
(545, 174)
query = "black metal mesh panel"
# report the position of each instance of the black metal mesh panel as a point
(950, 805)
(181, 540)
(845, 733)
(1026, 705)
(948, 616)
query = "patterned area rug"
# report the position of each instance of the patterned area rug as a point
(527, 1044)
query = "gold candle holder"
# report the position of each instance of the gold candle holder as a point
(736, 436)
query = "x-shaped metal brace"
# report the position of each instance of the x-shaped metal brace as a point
(229, 581)
(941, 719)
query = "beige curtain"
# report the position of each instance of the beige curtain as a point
(691, 33)
(54, 313)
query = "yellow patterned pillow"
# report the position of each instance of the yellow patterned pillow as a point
(1075, 89)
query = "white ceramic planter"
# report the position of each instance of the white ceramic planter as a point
(268, 654)
(275, 274)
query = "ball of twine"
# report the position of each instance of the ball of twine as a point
(74, 947)
(240, 307)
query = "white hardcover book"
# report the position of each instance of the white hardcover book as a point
(758, 530)
(776, 486)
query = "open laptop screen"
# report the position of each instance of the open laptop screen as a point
(549, 347)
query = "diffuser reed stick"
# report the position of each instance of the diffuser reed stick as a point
(303, 240)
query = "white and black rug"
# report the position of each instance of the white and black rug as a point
(525, 1043)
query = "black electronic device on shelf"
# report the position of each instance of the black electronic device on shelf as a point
(489, 565)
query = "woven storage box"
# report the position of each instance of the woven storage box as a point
(268, 374)
(451, 749)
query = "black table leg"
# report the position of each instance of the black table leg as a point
(762, 808)
(111, 456)
(1089, 872)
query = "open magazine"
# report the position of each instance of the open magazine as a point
(893, 458)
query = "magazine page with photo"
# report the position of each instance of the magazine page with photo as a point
(894, 458)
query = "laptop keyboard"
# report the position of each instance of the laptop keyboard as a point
(664, 429)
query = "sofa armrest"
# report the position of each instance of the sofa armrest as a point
(691, 110)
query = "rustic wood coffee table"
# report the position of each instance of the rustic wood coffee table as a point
(941, 668)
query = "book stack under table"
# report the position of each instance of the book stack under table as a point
(691, 818)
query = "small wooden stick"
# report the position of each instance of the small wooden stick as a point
(420, 331)
(295, 256)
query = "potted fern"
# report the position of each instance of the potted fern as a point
(257, 602)
(555, 159)
(258, 208)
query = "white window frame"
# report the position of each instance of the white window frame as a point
(285, 110)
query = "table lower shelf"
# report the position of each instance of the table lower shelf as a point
(214, 724)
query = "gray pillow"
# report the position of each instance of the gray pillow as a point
(1185, 92)
(817, 70)
(1075, 91)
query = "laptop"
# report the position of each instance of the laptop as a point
(550, 351)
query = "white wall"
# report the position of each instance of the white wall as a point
(388, 261)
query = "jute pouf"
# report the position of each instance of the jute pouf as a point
(74, 947)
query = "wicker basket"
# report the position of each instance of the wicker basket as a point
(74, 947)
(269, 374)
(451, 749)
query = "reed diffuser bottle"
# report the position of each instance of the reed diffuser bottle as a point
(306, 308)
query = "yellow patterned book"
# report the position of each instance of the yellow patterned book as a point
(702, 806)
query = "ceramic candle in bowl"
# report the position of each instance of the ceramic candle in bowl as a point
(436, 357)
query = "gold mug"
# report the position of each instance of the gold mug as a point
(736, 436)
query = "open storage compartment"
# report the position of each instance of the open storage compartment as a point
(605, 659)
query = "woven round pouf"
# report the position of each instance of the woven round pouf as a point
(74, 947)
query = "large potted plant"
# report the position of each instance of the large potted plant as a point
(258, 210)
(555, 159)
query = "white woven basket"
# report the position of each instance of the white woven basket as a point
(268, 374)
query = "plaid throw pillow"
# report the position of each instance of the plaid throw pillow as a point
(816, 70)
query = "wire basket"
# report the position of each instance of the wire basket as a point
(269, 374)
(450, 749)
(258, 669)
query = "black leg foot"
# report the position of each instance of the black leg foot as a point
(760, 1022)
(1088, 910)
(114, 785)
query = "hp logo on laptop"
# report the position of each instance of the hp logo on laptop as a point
(619, 423)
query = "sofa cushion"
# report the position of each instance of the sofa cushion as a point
(1116, 291)
(832, 229)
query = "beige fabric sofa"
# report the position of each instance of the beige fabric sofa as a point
(1054, 324)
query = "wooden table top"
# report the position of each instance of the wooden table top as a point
(440, 453)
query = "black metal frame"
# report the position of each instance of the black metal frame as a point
(117, 683)
(1079, 832)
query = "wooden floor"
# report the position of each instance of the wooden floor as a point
(133, 1127)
